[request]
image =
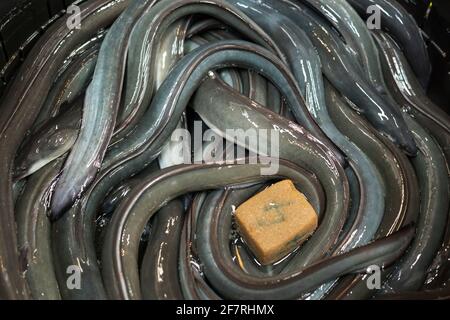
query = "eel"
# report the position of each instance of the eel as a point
(159, 268)
(51, 141)
(71, 82)
(193, 284)
(32, 81)
(164, 114)
(402, 191)
(372, 209)
(438, 275)
(188, 268)
(302, 59)
(120, 274)
(335, 62)
(403, 27)
(357, 37)
(168, 52)
(33, 228)
(99, 112)
(237, 111)
(222, 275)
(429, 165)
(408, 92)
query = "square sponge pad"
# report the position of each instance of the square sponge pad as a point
(276, 221)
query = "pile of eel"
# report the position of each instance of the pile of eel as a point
(90, 177)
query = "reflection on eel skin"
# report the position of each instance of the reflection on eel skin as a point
(402, 191)
(32, 81)
(429, 164)
(410, 95)
(120, 269)
(398, 22)
(146, 142)
(99, 112)
(34, 233)
(159, 268)
(295, 144)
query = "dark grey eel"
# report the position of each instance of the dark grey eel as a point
(410, 95)
(169, 50)
(222, 275)
(372, 206)
(301, 57)
(439, 271)
(403, 27)
(34, 236)
(402, 190)
(357, 37)
(159, 268)
(28, 89)
(164, 114)
(239, 112)
(71, 82)
(99, 112)
(52, 140)
(120, 269)
(189, 268)
(335, 63)
(429, 165)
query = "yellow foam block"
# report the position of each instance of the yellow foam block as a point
(276, 221)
